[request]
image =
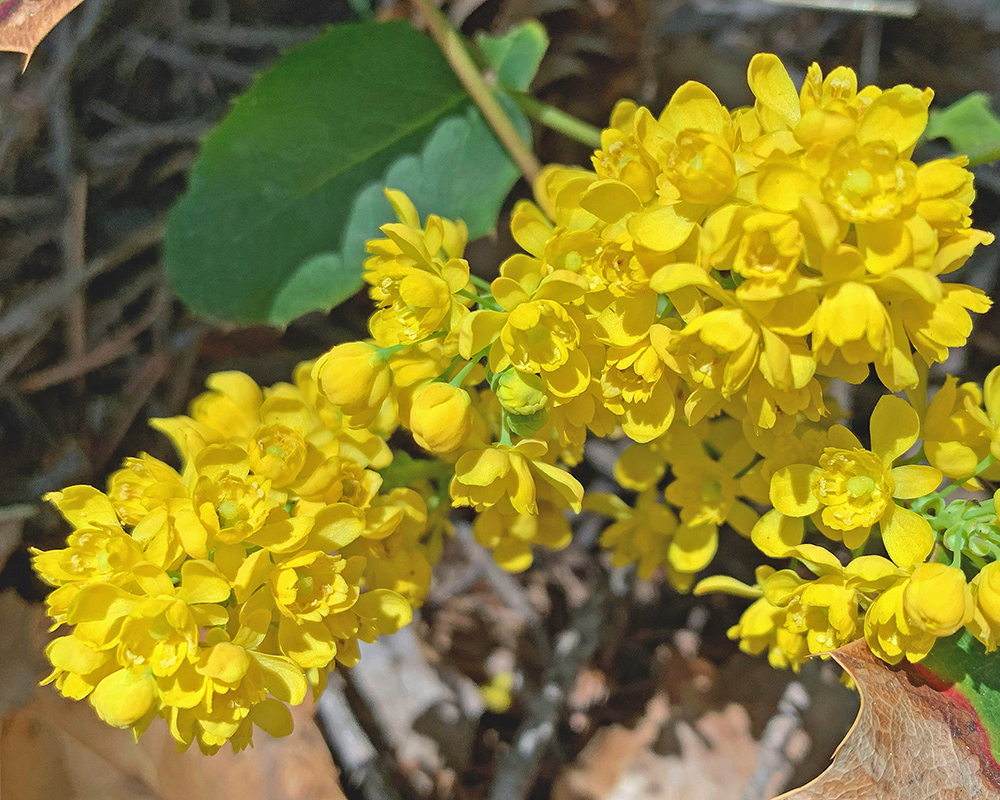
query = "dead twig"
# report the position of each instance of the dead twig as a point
(774, 762)
(26, 314)
(177, 55)
(73, 264)
(362, 767)
(126, 146)
(17, 207)
(136, 394)
(518, 769)
(112, 348)
(211, 33)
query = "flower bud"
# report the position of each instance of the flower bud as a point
(354, 376)
(520, 393)
(985, 624)
(937, 599)
(440, 417)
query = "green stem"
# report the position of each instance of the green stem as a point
(462, 373)
(444, 376)
(453, 48)
(483, 302)
(559, 120)
(975, 159)
(480, 283)
(981, 467)
(504, 430)
(385, 352)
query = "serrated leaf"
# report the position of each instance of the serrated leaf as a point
(517, 54)
(289, 186)
(924, 731)
(970, 126)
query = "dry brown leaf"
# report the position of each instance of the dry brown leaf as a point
(911, 741)
(24, 23)
(692, 743)
(57, 749)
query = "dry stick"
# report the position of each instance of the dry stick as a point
(362, 767)
(25, 315)
(774, 765)
(111, 349)
(453, 47)
(247, 36)
(178, 55)
(16, 353)
(30, 206)
(136, 394)
(74, 189)
(73, 263)
(519, 767)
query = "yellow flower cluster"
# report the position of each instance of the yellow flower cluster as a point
(417, 372)
(712, 263)
(900, 604)
(791, 240)
(206, 596)
(695, 291)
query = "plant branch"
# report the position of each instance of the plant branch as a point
(453, 47)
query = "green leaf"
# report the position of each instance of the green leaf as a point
(516, 55)
(970, 126)
(289, 186)
(962, 664)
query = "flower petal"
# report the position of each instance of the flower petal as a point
(894, 427)
(907, 536)
(791, 492)
(774, 534)
(123, 698)
(726, 585)
(915, 480)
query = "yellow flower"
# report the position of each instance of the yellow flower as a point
(762, 626)
(440, 417)
(706, 489)
(415, 274)
(354, 376)
(988, 416)
(937, 599)
(768, 253)
(890, 634)
(309, 585)
(520, 393)
(511, 535)
(852, 489)
(956, 433)
(985, 622)
(485, 477)
(640, 390)
(650, 536)
(624, 157)
(211, 596)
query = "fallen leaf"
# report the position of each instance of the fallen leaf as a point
(58, 748)
(924, 731)
(24, 23)
(692, 743)
(22, 637)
